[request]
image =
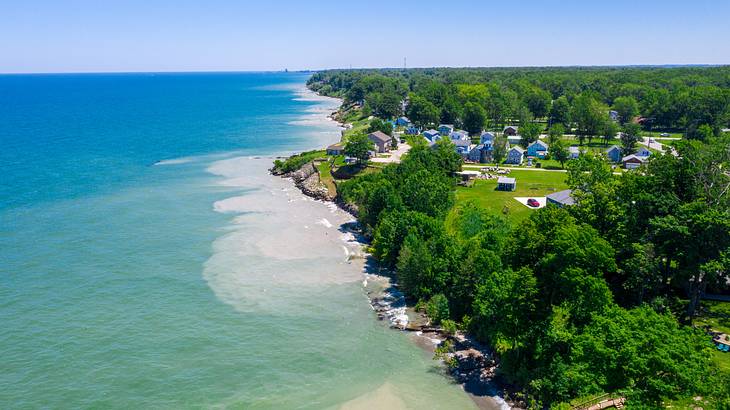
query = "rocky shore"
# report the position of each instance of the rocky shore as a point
(469, 363)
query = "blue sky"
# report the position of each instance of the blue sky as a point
(227, 35)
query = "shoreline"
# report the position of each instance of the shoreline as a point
(476, 363)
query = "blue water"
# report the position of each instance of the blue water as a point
(147, 260)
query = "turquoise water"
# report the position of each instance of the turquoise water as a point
(147, 260)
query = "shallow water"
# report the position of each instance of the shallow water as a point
(149, 260)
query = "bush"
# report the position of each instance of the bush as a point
(438, 309)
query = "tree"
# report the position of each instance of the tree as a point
(559, 152)
(626, 107)
(560, 112)
(422, 112)
(474, 118)
(538, 101)
(629, 137)
(427, 192)
(376, 124)
(609, 131)
(499, 152)
(704, 132)
(530, 133)
(590, 116)
(555, 133)
(359, 146)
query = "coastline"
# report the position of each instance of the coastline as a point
(476, 364)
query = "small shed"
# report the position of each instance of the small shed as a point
(506, 184)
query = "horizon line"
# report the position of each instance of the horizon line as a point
(665, 65)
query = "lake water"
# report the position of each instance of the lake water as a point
(147, 259)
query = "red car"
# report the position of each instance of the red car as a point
(533, 203)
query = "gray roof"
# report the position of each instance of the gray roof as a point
(632, 156)
(613, 147)
(505, 180)
(380, 136)
(574, 149)
(337, 145)
(511, 126)
(519, 149)
(562, 197)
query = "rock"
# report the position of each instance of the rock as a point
(470, 359)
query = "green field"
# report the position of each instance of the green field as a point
(717, 315)
(529, 183)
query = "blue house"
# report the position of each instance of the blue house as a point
(459, 136)
(481, 153)
(402, 122)
(446, 129)
(413, 130)
(431, 135)
(614, 153)
(487, 138)
(573, 152)
(643, 152)
(515, 156)
(537, 149)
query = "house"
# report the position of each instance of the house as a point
(431, 135)
(614, 153)
(514, 140)
(459, 135)
(537, 149)
(336, 149)
(487, 138)
(412, 130)
(463, 148)
(561, 198)
(515, 155)
(382, 141)
(506, 184)
(510, 130)
(614, 115)
(642, 152)
(402, 122)
(632, 161)
(481, 153)
(446, 129)
(573, 152)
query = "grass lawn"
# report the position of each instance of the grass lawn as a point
(325, 176)
(717, 315)
(529, 183)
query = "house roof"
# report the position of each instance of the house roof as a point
(562, 197)
(514, 127)
(505, 180)
(613, 147)
(487, 134)
(337, 145)
(431, 131)
(447, 125)
(518, 149)
(380, 136)
(540, 143)
(633, 157)
(574, 149)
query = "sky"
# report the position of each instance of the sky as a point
(38, 36)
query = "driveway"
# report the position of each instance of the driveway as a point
(540, 199)
(392, 156)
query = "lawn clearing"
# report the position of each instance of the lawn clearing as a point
(532, 184)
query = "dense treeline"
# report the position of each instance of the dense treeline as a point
(576, 301)
(693, 100)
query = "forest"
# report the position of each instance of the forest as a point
(596, 297)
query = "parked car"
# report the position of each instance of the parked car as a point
(664, 134)
(533, 203)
